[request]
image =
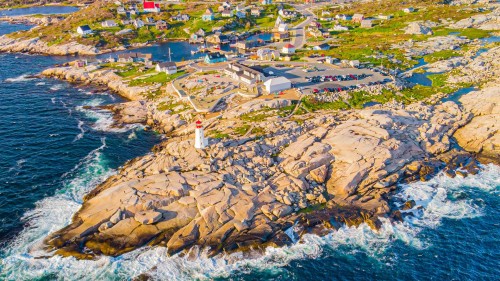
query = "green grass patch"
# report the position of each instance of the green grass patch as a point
(242, 130)
(441, 55)
(218, 135)
(161, 77)
(258, 131)
(163, 106)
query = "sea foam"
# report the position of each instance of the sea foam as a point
(437, 197)
(20, 78)
(103, 119)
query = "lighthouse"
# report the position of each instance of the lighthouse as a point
(200, 141)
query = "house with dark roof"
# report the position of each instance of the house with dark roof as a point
(215, 58)
(167, 67)
(134, 57)
(109, 23)
(84, 30)
(322, 47)
(161, 25)
(227, 13)
(243, 73)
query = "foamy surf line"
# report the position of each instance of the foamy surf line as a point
(21, 78)
(103, 120)
(55, 212)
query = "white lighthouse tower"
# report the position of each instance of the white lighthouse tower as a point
(200, 141)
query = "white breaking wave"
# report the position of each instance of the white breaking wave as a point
(70, 111)
(18, 166)
(53, 100)
(55, 212)
(57, 87)
(82, 131)
(103, 119)
(40, 83)
(21, 78)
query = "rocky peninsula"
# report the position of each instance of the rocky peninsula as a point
(268, 175)
(328, 170)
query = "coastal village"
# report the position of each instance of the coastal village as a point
(301, 115)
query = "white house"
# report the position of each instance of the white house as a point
(121, 10)
(287, 14)
(322, 47)
(255, 12)
(227, 13)
(409, 10)
(354, 63)
(283, 27)
(366, 23)
(277, 84)
(84, 30)
(279, 21)
(331, 60)
(288, 49)
(342, 17)
(339, 27)
(358, 17)
(109, 23)
(267, 54)
(138, 23)
(385, 17)
(167, 67)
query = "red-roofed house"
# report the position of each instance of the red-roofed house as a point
(151, 7)
(288, 49)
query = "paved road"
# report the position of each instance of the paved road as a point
(300, 34)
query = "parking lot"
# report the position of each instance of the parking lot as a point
(327, 78)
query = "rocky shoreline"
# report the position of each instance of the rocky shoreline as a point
(36, 46)
(335, 169)
(99, 77)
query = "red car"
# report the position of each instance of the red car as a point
(315, 91)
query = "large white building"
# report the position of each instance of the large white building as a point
(243, 73)
(277, 84)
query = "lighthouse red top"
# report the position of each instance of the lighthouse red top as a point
(198, 124)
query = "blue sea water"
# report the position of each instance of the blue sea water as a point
(44, 10)
(53, 151)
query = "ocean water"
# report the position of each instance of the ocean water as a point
(44, 10)
(54, 150)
